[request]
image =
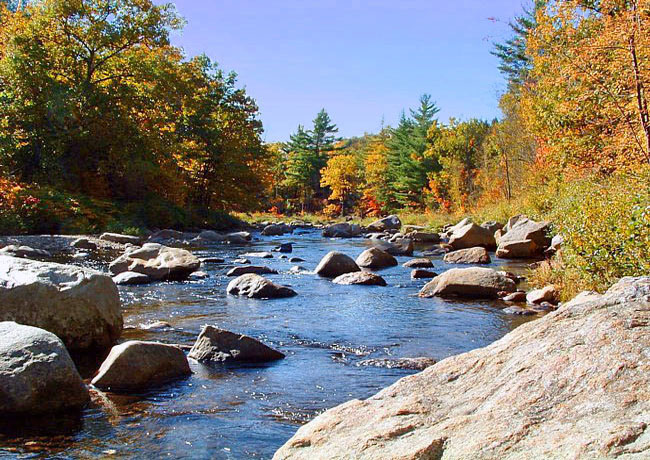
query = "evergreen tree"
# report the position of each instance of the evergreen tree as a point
(299, 170)
(408, 165)
(322, 140)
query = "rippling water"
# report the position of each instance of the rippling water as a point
(249, 411)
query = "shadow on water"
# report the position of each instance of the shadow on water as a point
(248, 411)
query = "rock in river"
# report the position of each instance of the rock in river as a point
(472, 235)
(158, 262)
(343, 230)
(131, 278)
(470, 283)
(418, 364)
(375, 258)
(387, 223)
(37, 374)
(573, 384)
(258, 270)
(79, 305)
(25, 252)
(418, 273)
(137, 365)
(525, 238)
(418, 263)
(216, 345)
(258, 287)
(122, 239)
(362, 278)
(335, 264)
(477, 255)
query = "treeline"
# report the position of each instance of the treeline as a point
(102, 120)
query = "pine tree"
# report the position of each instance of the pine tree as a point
(322, 140)
(408, 165)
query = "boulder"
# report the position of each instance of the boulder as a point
(121, 239)
(37, 374)
(519, 311)
(512, 221)
(25, 252)
(525, 238)
(258, 255)
(242, 261)
(452, 228)
(517, 296)
(285, 248)
(84, 243)
(137, 365)
(556, 245)
(375, 258)
(297, 270)
(413, 228)
(216, 345)
(399, 247)
(387, 223)
(419, 273)
(200, 275)
(131, 278)
(296, 259)
(335, 264)
(343, 230)
(79, 305)
(258, 270)
(472, 235)
(158, 262)
(423, 237)
(418, 263)
(546, 294)
(572, 384)
(361, 278)
(258, 287)
(276, 229)
(167, 234)
(418, 364)
(210, 235)
(471, 283)
(492, 226)
(476, 255)
(238, 238)
(212, 260)
(518, 249)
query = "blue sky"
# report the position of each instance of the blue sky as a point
(363, 61)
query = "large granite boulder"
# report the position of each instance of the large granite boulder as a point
(277, 229)
(476, 255)
(360, 278)
(79, 305)
(216, 345)
(470, 236)
(470, 283)
(525, 238)
(258, 287)
(375, 258)
(342, 230)
(573, 384)
(387, 223)
(37, 374)
(158, 262)
(335, 264)
(137, 365)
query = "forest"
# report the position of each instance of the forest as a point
(105, 125)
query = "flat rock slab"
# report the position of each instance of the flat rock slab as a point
(418, 263)
(573, 384)
(37, 375)
(137, 365)
(469, 283)
(418, 364)
(258, 255)
(131, 278)
(477, 255)
(216, 345)
(122, 239)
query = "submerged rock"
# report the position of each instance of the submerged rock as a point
(471, 283)
(418, 364)
(216, 345)
(258, 255)
(137, 365)
(573, 384)
(258, 270)
(284, 247)
(37, 374)
(362, 278)
(258, 287)
(477, 255)
(375, 258)
(79, 305)
(335, 264)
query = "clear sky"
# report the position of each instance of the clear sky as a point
(363, 61)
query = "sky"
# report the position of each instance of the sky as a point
(363, 61)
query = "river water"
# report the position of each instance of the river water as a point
(248, 411)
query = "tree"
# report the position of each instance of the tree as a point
(408, 165)
(376, 190)
(341, 175)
